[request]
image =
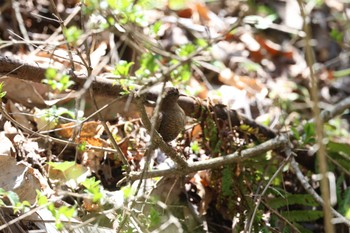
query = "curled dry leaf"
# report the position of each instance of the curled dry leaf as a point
(18, 114)
(18, 177)
(274, 49)
(25, 92)
(196, 132)
(6, 148)
(251, 85)
(89, 129)
(90, 206)
(185, 13)
(202, 10)
(9, 129)
(98, 53)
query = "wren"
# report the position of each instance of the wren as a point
(172, 119)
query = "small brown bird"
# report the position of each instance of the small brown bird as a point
(172, 118)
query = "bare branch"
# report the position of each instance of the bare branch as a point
(273, 144)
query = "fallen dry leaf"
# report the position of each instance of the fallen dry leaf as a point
(251, 85)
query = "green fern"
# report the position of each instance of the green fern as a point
(227, 181)
(292, 199)
(302, 215)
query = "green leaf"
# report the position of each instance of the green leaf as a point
(63, 111)
(309, 133)
(51, 207)
(341, 148)
(56, 80)
(82, 146)
(2, 192)
(341, 73)
(62, 166)
(127, 11)
(177, 4)
(347, 213)
(185, 50)
(69, 212)
(244, 127)
(154, 217)
(122, 68)
(182, 74)
(344, 203)
(148, 65)
(59, 225)
(340, 152)
(113, 4)
(128, 191)
(227, 174)
(292, 199)
(2, 93)
(195, 147)
(93, 187)
(265, 10)
(201, 43)
(41, 199)
(250, 66)
(12, 197)
(337, 35)
(91, 183)
(72, 34)
(21, 206)
(295, 133)
(302, 215)
(89, 6)
(51, 73)
(156, 26)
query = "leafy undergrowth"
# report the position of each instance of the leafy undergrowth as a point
(75, 155)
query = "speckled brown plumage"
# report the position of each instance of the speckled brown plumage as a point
(172, 118)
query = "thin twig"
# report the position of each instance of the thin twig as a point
(63, 27)
(53, 36)
(311, 191)
(329, 228)
(119, 153)
(15, 5)
(338, 108)
(257, 203)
